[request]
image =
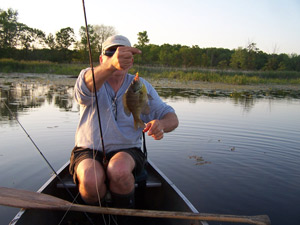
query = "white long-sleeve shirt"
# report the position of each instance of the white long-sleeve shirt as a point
(117, 128)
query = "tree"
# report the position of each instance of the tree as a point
(82, 46)
(14, 34)
(294, 62)
(272, 63)
(50, 41)
(83, 38)
(190, 56)
(97, 35)
(9, 28)
(250, 55)
(102, 32)
(204, 60)
(238, 59)
(169, 55)
(30, 38)
(143, 38)
(65, 38)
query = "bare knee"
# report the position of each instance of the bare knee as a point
(91, 179)
(118, 175)
(119, 172)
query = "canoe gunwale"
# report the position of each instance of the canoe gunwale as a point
(183, 197)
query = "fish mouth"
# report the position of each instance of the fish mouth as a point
(137, 86)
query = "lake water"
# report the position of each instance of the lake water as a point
(233, 153)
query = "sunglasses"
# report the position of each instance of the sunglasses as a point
(109, 53)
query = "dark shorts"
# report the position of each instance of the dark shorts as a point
(79, 153)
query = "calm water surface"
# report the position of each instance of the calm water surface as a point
(233, 153)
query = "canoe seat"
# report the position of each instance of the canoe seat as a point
(149, 182)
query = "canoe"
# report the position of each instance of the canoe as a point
(156, 193)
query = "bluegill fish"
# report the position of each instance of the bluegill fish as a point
(135, 101)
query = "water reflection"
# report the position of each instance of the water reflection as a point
(244, 98)
(240, 158)
(20, 95)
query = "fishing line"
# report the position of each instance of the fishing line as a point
(94, 84)
(43, 156)
(105, 162)
(53, 170)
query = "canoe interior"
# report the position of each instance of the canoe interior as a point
(160, 197)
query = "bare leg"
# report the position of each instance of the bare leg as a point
(119, 172)
(121, 180)
(91, 177)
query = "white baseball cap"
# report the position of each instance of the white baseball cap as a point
(115, 40)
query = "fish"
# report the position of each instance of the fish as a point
(135, 101)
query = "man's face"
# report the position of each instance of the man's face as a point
(108, 54)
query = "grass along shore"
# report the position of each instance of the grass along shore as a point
(168, 76)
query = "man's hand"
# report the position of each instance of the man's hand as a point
(121, 60)
(157, 128)
(154, 129)
(123, 57)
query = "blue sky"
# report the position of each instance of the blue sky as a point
(272, 24)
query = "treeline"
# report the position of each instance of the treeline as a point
(220, 58)
(20, 42)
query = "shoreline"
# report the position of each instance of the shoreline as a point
(166, 83)
(157, 83)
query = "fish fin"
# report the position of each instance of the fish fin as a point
(149, 97)
(139, 123)
(146, 109)
(126, 110)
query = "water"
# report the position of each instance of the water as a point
(232, 153)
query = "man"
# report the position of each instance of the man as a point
(122, 142)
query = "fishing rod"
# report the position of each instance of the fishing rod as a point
(43, 156)
(94, 84)
(104, 160)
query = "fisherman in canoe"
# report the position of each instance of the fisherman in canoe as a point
(121, 97)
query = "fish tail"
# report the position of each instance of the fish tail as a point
(136, 78)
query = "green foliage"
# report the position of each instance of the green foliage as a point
(97, 35)
(219, 76)
(20, 42)
(179, 74)
(10, 65)
(65, 38)
(8, 28)
(143, 38)
(29, 38)
(50, 41)
(102, 32)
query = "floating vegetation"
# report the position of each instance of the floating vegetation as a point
(234, 94)
(199, 160)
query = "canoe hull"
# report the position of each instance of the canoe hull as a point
(161, 194)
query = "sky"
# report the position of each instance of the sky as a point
(272, 24)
